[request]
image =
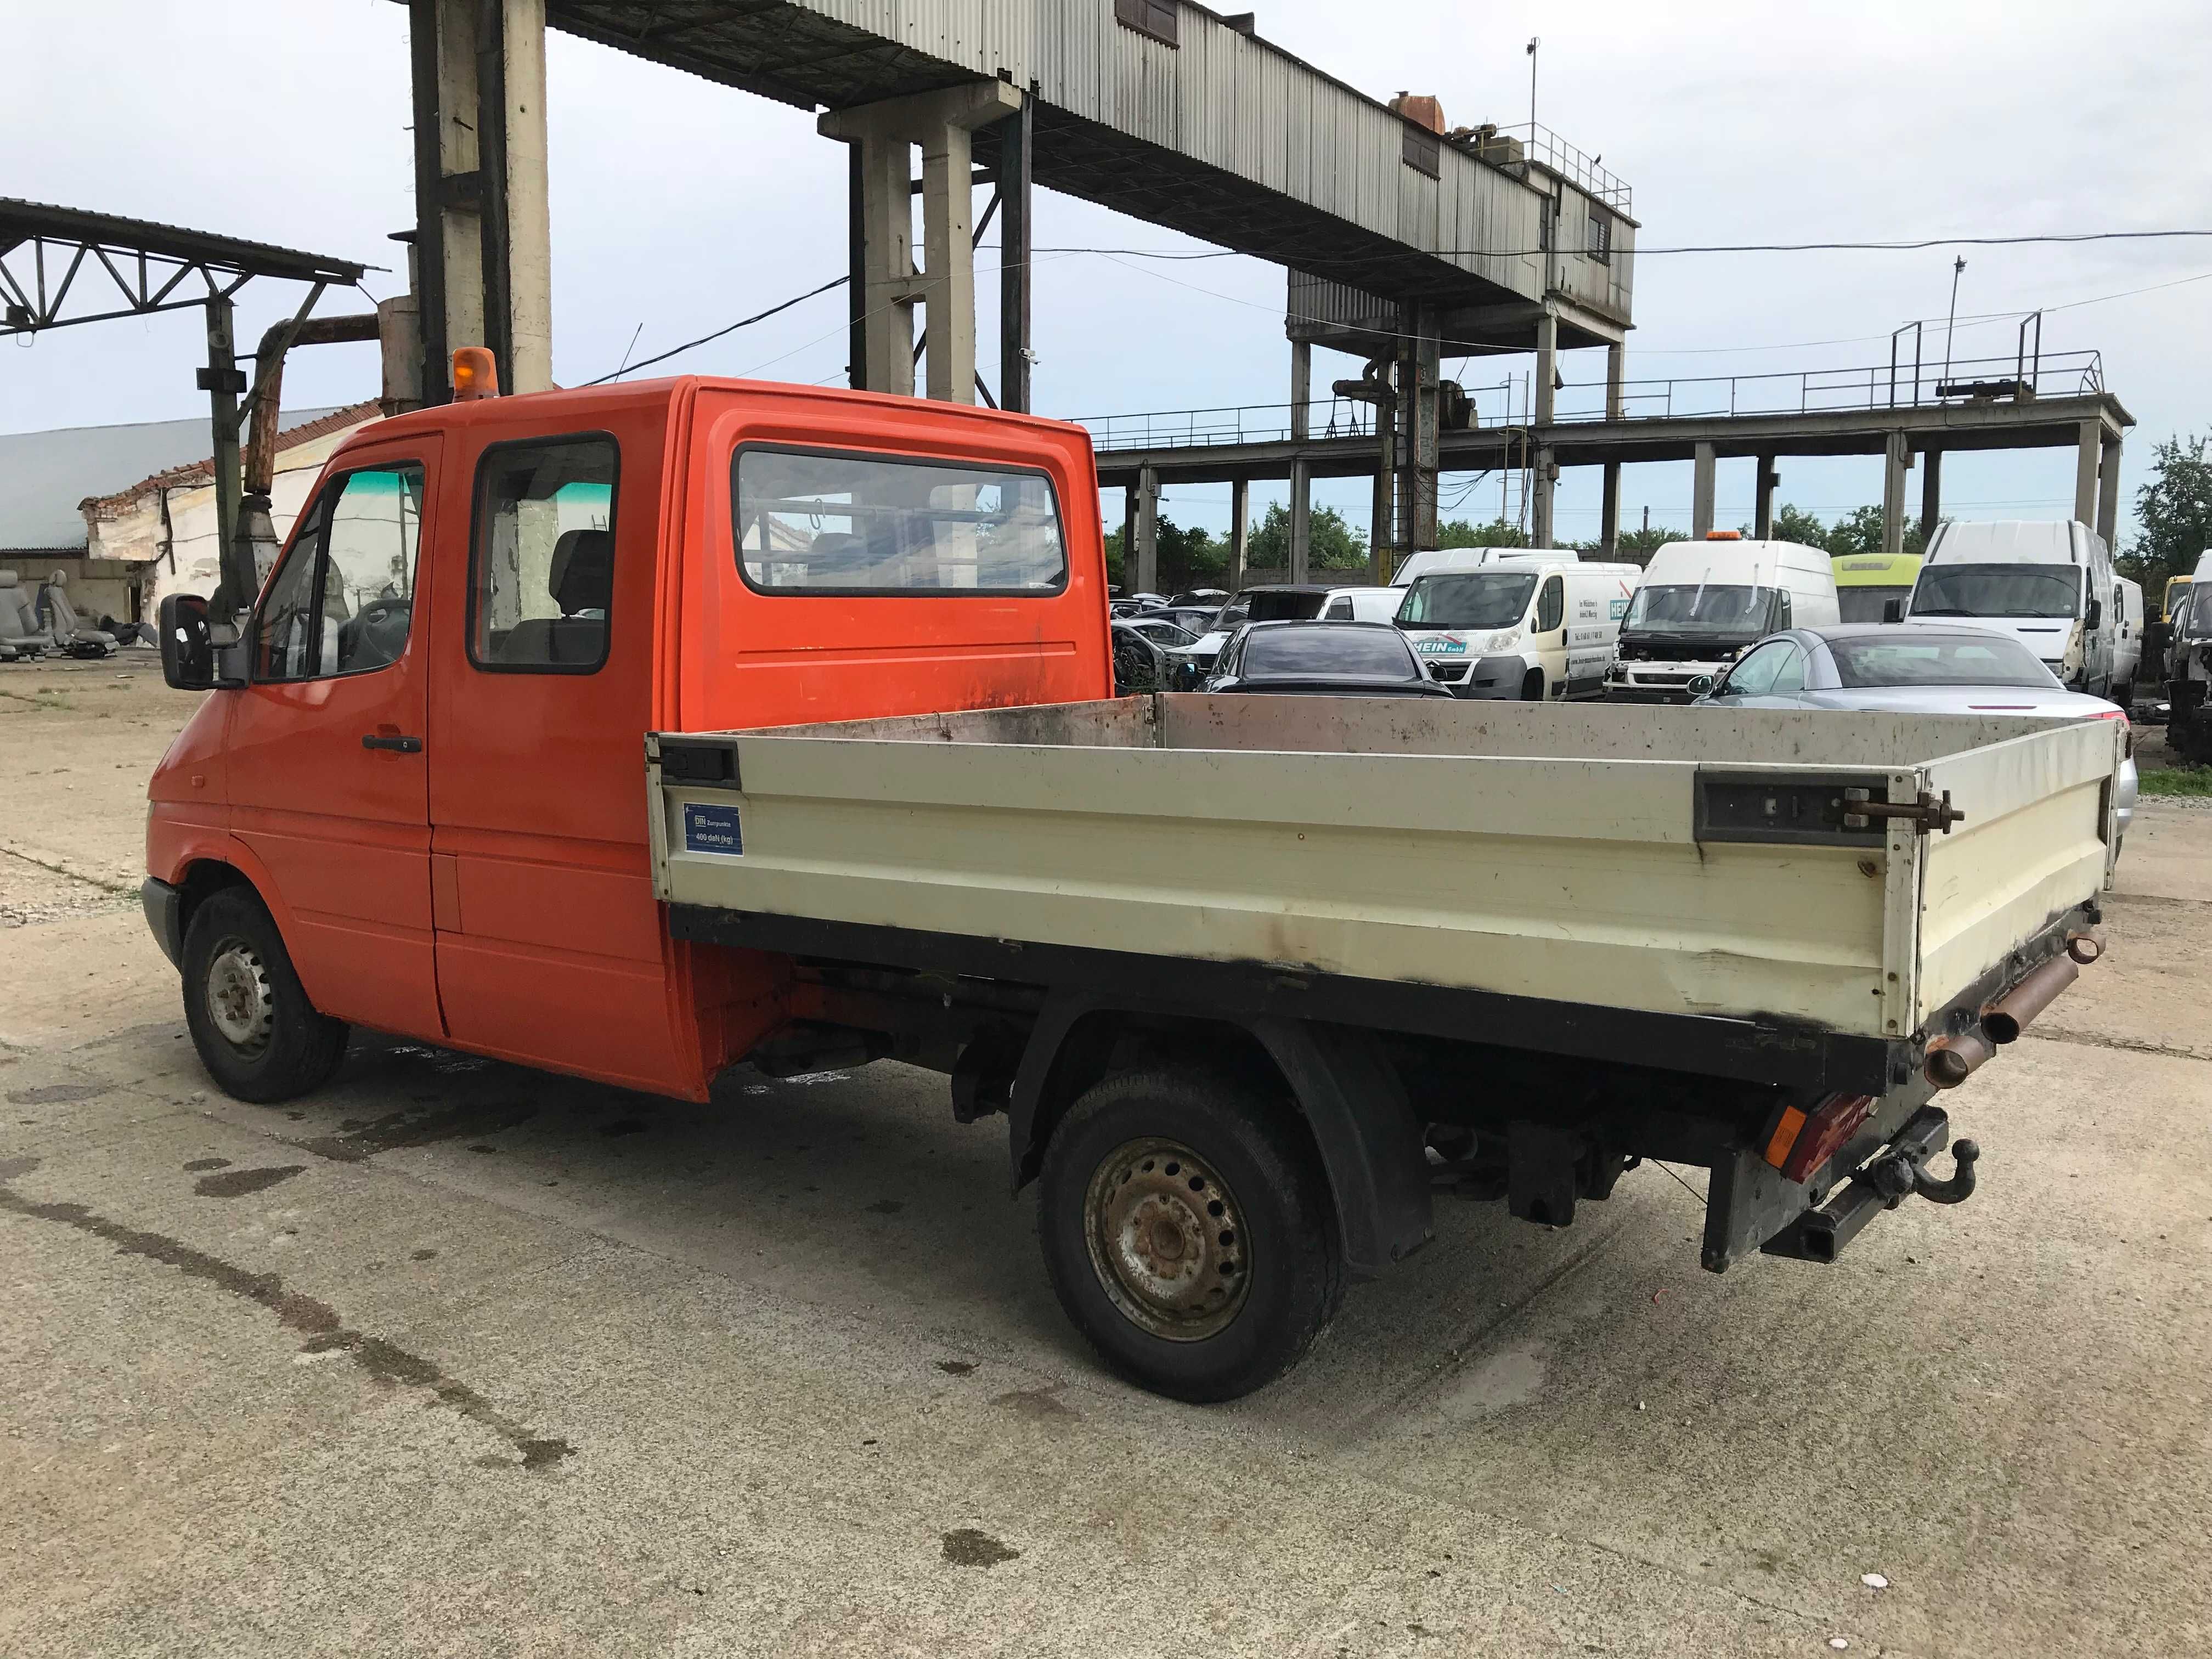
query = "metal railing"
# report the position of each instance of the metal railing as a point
(1546, 149)
(1902, 382)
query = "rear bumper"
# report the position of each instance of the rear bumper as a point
(165, 916)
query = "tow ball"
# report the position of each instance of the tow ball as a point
(1898, 1174)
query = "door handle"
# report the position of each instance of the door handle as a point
(402, 745)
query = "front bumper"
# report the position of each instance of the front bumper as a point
(1480, 677)
(165, 916)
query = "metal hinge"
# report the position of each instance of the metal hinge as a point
(1929, 812)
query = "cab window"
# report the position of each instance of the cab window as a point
(341, 602)
(1551, 606)
(541, 568)
(815, 522)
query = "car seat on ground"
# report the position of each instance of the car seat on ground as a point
(21, 636)
(71, 632)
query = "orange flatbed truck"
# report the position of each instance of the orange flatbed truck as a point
(510, 755)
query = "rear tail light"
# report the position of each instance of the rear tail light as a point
(1802, 1141)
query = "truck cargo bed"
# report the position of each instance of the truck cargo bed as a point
(1562, 876)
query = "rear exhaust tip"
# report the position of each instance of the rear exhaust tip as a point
(1953, 1059)
(2084, 948)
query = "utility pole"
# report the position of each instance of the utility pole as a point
(1950, 322)
(1534, 41)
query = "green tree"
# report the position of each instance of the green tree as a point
(1859, 531)
(1188, 558)
(1458, 532)
(2174, 510)
(1331, 543)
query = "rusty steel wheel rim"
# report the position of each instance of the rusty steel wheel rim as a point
(1167, 1240)
(240, 1003)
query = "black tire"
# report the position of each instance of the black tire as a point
(1280, 1265)
(256, 1033)
(1532, 686)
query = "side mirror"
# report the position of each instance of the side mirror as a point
(1701, 685)
(189, 657)
(1893, 611)
(2096, 613)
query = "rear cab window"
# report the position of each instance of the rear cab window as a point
(826, 522)
(541, 558)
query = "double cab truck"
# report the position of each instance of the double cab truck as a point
(642, 731)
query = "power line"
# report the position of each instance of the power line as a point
(743, 322)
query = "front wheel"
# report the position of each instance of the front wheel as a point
(256, 1033)
(1188, 1233)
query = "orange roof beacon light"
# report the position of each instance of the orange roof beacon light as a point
(476, 374)
(1711, 535)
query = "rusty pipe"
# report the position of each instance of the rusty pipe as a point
(2005, 1019)
(2085, 948)
(1953, 1059)
(260, 457)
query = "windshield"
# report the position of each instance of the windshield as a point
(1280, 604)
(1919, 657)
(2192, 612)
(1864, 604)
(1998, 590)
(1496, 599)
(1700, 608)
(1336, 648)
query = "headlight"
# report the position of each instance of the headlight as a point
(1498, 641)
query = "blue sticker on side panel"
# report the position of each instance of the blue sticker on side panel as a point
(712, 829)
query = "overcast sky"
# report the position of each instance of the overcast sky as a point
(679, 206)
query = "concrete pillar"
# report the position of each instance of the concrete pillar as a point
(1701, 492)
(1616, 382)
(1147, 577)
(239, 580)
(1762, 512)
(1301, 389)
(1423, 438)
(942, 124)
(528, 364)
(1931, 494)
(1540, 514)
(1897, 457)
(1382, 515)
(2087, 453)
(2108, 492)
(1301, 518)
(1547, 368)
(1240, 530)
(1609, 529)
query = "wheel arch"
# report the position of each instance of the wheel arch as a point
(1351, 1103)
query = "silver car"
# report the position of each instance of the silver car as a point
(1925, 670)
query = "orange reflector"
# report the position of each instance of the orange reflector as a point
(1785, 1136)
(1800, 1145)
(476, 374)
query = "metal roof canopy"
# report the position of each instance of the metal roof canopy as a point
(1290, 135)
(127, 251)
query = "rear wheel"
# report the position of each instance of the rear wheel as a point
(1188, 1233)
(256, 1033)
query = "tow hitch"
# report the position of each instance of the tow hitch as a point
(1885, 1181)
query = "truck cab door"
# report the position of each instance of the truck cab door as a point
(328, 766)
(549, 944)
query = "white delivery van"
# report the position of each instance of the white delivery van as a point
(1701, 603)
(1417, 565)
(1536, 626)
(2128, 643)
(2048, 583)
(1375, 604)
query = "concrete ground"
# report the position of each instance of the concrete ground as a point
(455, 1358)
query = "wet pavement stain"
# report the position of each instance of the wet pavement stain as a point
(1036, 1403)
(956, 1367)
(419, 1128)
(12, 1167)
(885, 1206)
(423, 1255)
(239, 1183)
(54, 1094)
(964, 1547)
(627, 1126)
(199, 1164)
(325, 1331)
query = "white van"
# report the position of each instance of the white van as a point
(1375, 604)
(1702, 602)
(1471, 558)
(2047, 583)
(1535, 626)
(2128, 645)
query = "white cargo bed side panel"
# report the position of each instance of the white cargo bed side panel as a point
(1576, 881)
(2033, 845)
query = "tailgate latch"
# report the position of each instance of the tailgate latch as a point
(1929, 812)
